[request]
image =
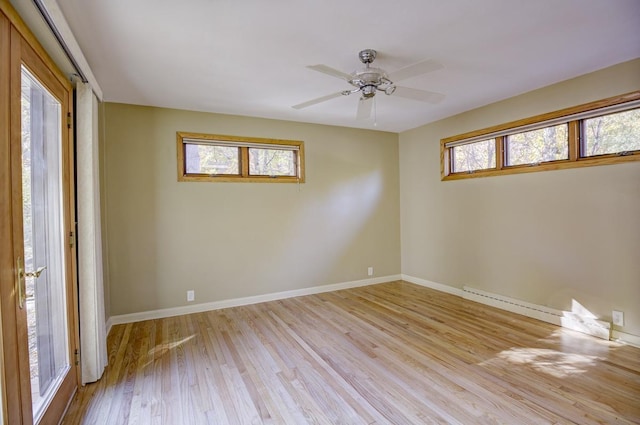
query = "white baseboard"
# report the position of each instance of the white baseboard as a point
(433, 285)
(561, 318)
(236, 302)
(108, 325)
(626, 338)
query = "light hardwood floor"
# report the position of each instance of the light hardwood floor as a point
(390, 353)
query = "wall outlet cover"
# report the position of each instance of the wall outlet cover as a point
(191, 295)
(617, 318)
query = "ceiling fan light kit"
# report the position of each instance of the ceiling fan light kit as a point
(369, 80)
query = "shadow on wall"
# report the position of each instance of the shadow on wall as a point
(131, 211)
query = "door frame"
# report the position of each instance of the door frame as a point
(17, 46)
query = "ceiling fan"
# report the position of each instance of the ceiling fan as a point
(369, 80)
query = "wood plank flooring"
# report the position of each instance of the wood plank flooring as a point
(393, 353)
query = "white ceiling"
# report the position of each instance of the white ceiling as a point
(249, 57)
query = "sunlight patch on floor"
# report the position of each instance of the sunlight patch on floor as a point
(162, 349)
(550, 362)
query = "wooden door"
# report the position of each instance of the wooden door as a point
(38, 307)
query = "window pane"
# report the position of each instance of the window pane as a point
(44, 241)
(612, 133)
(543, 145)
(210, 159)
(272, 162)
(474, 156)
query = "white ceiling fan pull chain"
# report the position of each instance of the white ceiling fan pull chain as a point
(375, 112)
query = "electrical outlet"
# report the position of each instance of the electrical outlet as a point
(370, 271)
(191, 295)
(617, 318)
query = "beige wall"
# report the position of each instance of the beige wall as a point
(230, 240)
(546, 238)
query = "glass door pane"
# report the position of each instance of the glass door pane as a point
(44, 239)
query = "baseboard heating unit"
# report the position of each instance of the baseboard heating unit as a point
(567, 319)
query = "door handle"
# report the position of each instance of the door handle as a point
(22, 290)
(37, 273)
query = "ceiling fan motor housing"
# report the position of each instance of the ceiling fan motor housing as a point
(369, 80)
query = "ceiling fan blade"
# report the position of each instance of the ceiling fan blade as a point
(419, 68)
(419, 95)
(364, 108)
(330, 71)
(317, 100)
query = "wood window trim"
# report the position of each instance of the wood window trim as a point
(244, 175)
(574, 161)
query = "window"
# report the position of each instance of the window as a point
(206, 157)
(211, 159)
(474, 156)
(537, 146)
(610, 134)
(272, 162)
(598, 133)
